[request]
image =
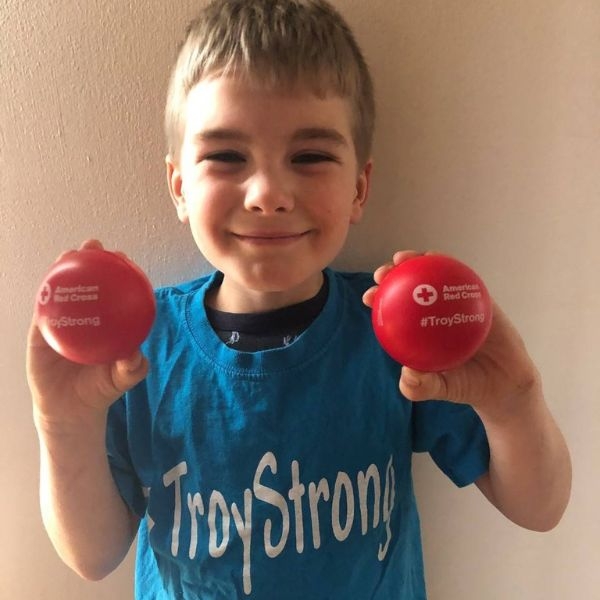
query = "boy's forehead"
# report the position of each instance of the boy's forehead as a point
(223, 104)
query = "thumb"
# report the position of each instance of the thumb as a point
(130, 371)
(417, 385)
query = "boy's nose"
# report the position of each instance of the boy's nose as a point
(268, 193)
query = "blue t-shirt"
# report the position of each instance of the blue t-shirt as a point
(280, 474)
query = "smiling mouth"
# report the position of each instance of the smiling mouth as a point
(270, 238)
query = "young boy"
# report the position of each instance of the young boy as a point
(266, 452)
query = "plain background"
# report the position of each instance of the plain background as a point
(487, 148)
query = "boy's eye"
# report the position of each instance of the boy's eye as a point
(307, 158)
(225, 157)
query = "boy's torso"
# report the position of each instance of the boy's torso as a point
(280, 474)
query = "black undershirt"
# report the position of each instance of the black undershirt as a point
(252, 332)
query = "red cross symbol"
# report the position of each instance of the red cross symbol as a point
(425, 295)
(45, 294)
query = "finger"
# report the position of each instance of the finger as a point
(369, 296)
(417, 385)
(91, 244)
(403, 255)
(94, 244)
(128, 372)
(399, 257)
(381, 272)
(86, 245)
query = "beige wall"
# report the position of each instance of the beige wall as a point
(488, 148)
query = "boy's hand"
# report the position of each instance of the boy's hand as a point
(66, 392)
(529, 475)
(493, 381)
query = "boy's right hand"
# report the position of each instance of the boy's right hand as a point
(65, 392)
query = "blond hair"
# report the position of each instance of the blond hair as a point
(277, 43)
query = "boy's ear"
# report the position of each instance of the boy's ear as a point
(175, 184)
(363, 184)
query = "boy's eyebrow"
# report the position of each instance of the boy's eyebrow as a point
(305, 133)
(320, 133)
(220, 133)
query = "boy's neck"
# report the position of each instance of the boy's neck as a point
(232, 298)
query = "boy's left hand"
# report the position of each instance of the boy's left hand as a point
(529, 475)
(494, 380)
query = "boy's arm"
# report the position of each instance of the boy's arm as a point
(529, 479)
(86, 519)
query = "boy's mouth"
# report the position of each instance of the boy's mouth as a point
(271, 237)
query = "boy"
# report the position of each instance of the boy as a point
(266, 452)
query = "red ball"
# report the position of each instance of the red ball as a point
(95, 307)
(431, 313)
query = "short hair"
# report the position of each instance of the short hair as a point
(276, 43)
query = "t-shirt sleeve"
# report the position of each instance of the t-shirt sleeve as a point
(454, 436)
(123, 472)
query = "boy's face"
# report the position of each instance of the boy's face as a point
(269, 184)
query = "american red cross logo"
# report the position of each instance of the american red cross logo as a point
(425, 294)
(44, 295)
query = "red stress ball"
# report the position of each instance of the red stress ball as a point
(431, 313)
(95, 307)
